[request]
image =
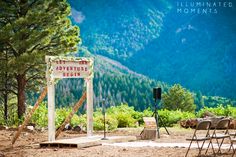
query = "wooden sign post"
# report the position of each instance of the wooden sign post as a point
(68, 67)
(150, 129)
(27, 119)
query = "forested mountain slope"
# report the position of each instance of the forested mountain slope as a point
(197, 50)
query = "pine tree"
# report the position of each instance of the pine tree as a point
(199, 101)
(5, 81)
(32, 29)
(178, 98)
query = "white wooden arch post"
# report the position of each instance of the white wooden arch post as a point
(68, 67)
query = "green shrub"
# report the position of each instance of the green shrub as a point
(2, 120)
(138, 116)
(111, 120)
(169, 118)
(231, 111)
(12, 114)
(40, 116)
(61, 114)
(116, 116)
(219, 110)
(111, 123)
(187, 115)
(147, 112)
(125, 120)
(79, 121)
(125, 115)
(98, 123)
(228, 111)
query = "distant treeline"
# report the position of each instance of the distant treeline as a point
(122, 88)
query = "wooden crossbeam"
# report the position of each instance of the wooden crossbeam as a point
(68, 118)
(28, 117)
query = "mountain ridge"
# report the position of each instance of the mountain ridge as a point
(150, 38)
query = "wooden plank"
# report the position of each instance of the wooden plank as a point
(82, 142)
(28, 117)
(68, 118)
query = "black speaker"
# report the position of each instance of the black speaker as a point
(157, 93)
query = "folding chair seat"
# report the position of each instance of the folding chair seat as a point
(203, 125)
(233, 134)
(221, 132)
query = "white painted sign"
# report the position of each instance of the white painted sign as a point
(66, 67)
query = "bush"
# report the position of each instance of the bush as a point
(146, 113)
(12, 114)
(62, 113)
(2, 120)
(125, 115)
(111, 123)
(79, 121)
(120, 116)
(169, 118)
(40, 116)
(187, 115)
(228, 111)
(231, 111)
(125, 120)
(98, 123)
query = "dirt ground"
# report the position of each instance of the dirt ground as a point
(27, 145)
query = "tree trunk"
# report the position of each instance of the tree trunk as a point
(6, 98)
(21, 83)
(5, 106)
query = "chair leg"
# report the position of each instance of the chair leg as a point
(188, 149)
(199, 149)
(212, 148)
(207, 148)
(234, 150)
(199, 153)
(217, 141)
(219, 150)
(230, 147)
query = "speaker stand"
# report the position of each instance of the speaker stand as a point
(157, 118)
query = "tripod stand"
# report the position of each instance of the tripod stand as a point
(156, 116)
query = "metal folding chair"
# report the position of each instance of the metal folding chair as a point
(232, 142)
(203, 125)
(221, 132)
